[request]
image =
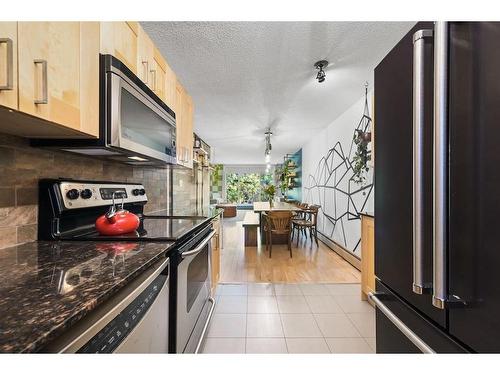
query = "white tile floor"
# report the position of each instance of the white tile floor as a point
(291, 318)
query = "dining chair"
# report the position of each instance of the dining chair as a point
(278, 223)
(309, 221)
(299, 214)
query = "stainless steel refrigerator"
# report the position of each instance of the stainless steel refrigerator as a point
(202, 185)
(437, 190)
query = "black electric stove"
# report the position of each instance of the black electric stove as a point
(151, 228)
(68, 210)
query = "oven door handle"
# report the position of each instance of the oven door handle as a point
(198, 248)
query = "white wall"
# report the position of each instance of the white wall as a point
(316, 170)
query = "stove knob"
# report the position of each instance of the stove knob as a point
(72, 194)
(142, 192)
(136, 192)
(86, 193)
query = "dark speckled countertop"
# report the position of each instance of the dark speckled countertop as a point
(45, 287)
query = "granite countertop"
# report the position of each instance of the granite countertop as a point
(45, 287)
(213, 212)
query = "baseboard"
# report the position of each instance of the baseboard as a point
(340, 250)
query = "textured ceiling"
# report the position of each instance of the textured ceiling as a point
(247, 76)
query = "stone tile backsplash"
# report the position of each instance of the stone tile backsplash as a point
(21, 166)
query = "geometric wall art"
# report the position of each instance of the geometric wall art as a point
(332, 186)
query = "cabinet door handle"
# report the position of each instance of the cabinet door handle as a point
(9, 64)
(181, 154)
(45, 93)
(419, 284)
(439, 295)
(145, 73)
(184, 154)
(153, 84)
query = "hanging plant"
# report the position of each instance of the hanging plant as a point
(361, 157)
(282, 178)
(362, 136)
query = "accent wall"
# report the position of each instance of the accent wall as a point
(327, 171)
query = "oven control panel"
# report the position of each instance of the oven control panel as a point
(83, 195)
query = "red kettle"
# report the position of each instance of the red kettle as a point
(116, 222)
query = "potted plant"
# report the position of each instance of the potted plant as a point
(286, 175)
(360, 159)
(364, 136)
(270, 191)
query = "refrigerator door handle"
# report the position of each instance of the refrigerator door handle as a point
(412, 336)
(440, 205)
(419, 286)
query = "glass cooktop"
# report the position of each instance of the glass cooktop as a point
(155, 228)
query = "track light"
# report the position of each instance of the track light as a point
(269, 147)
(321, 76)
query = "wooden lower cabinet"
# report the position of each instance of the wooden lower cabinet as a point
(367, 255)
(216, 249)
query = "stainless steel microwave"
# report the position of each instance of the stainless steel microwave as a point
(136, 126)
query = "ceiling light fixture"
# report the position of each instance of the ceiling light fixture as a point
(269, 147)
(321, 76)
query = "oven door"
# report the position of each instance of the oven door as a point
(136, 122)
(194, 304)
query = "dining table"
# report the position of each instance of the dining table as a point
(263, 207)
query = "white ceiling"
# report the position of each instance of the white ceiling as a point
(247, 76)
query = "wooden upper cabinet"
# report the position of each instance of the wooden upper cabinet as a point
(158, 80)
(8, 64)
(188, 131)
(145, 58)
(120, 40)
(184, 126)
(170, 83)
(153, 70)
(49, 71)
(89, 78)
(159, 74)
(178, 109)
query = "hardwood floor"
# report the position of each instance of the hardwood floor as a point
(252, 264)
